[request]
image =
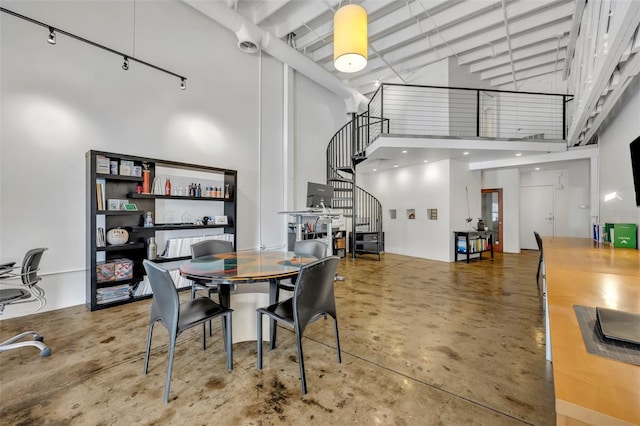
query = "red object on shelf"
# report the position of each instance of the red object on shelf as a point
(146, 184)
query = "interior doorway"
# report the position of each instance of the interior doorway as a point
(537, 211)
(492, 215)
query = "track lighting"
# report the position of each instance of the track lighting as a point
(125, 65)
(52, 36)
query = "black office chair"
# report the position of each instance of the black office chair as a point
(541, 259)
(176, 317)
(313, 297)
(30, 293)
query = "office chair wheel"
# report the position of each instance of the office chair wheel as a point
(45, 352)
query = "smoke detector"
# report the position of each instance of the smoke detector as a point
(248, 39)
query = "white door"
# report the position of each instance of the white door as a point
(536, 214)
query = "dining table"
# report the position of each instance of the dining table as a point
(246, 268)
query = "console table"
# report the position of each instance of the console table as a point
(482, 242)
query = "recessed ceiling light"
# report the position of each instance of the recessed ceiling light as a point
(375, 170)
(537, 168)
(404, 151)
(425, 161)
(465, 153)
(395, 165)
(519, 154)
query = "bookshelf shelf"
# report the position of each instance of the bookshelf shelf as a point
(470, 243)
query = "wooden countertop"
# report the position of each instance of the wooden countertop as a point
(590, 389)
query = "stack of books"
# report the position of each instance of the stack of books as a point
(113, 294)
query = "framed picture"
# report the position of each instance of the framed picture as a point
(113, 204)
(137, 171)
(220, 220)
(411, 213)
(130, 207)
(123, 203)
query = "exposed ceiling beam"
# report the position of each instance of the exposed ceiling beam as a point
(530, 51)
(267, 9)
(522, 65)
(575, 25)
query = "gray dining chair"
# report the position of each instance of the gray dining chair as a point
(541, 258)
(313, 296)
(176, 317)
(206, 248)
(315, 248)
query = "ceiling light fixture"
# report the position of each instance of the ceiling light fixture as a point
(52, 40)
(395, 165)
(404, 151)
(465, 153)
(183, 84)
(52, 36)
(519, 154)
(425, 161)
(350, 38)
(376, 83)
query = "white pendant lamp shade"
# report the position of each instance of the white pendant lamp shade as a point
(350, 38)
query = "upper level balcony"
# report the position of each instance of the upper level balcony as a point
(434, 123)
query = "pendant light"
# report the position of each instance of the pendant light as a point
(350, 38)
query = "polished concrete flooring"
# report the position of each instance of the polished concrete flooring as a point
(423, 343)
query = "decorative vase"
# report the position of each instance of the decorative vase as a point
(117, 236)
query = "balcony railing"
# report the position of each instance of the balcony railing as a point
(465, 113)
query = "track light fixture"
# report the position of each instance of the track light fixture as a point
(125, 65)
(52, 36)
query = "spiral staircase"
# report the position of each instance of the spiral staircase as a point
(346, 149)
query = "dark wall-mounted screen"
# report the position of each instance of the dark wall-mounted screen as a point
(319, 195)
(635, 167)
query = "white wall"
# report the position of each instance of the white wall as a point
(60, 101)
(439, 185)
(615, 160)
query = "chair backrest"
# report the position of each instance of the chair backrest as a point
(165, 306)
(207, 247)
(315, 248)
(313, 293)
(538, 241)
(30, 266)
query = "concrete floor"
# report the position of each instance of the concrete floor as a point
(423, 343)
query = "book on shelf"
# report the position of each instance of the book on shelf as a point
(100, 195)
(102, 164)
(100, 238)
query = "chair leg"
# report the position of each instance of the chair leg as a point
(303, 378)
(224, 330)
(335, 323)
(167, 384)
(259, 340)
(146, 357)
(204, 336)
(13, 343)
(229, 341)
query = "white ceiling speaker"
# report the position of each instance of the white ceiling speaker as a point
(249, 39)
